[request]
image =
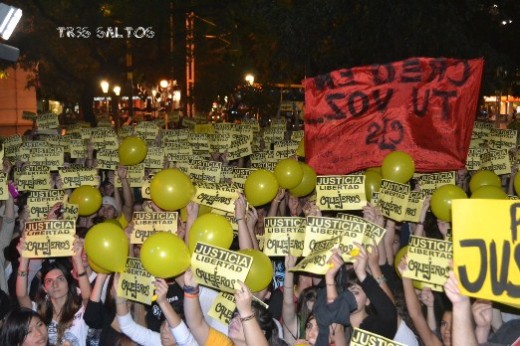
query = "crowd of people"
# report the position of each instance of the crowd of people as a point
(64, 301)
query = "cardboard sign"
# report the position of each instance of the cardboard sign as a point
(53, 238)
(148, 223)
(75, 177)
(240, 175)
(78, 148)
(219, 143)
(323, 228)
(361, 337)
(223, 307)
(428, 260)
(430, 182)
(226, 174)
(175, 135)
(239, 148)
(283, 236)
(34, 178)
(134, 176)
(268, 166)
(274, 134)
(486, 244)
(502, 139)
(206, 171)
(373, 233)
(297, 136)
(258, 157)
(219, 268)
(414, 206)
(496, 161)
(47, 156)
(218, 196)
(135, 282)
(145, 188)
(4, 192)
(285, 149)
(199, 141)
(316, 262)
(473, 160)
(107, 159)
(154, 157)
(47, 121)
(341, 192)
(392, 199)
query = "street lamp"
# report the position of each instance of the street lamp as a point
(250, 79)
(115, 105)
(104, 87)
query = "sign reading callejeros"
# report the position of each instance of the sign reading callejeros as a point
(148, 223)
(53, 238)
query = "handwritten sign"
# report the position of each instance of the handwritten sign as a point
(219, 268)
(34, 178)
(361, 337)
(49, 239)
(496, 161)
(47, 121)
(75, 177)
(223, 307)
(204, 170)
(283, 236)
(148, 223)
(485, 249)
(4, 192)
(341, 192)
(430, 182)
(373, 234)
(414, 206)
(218, 196)
(135, 282)
(473, 160)
(107, 159)
(392, 199)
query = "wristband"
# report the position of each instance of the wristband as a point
(189, 295)
(191, 289)
(247, 318)
(381, 279)
(82, 274)
(239, 219)
(22, 273)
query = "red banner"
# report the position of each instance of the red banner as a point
(423, 106)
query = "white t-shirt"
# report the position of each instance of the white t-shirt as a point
(405, 335)
(75, 335)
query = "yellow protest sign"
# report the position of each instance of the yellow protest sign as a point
(268, 166)
(75, 177)
(486, 247)
(361, 337)
(240, 175)
(220, 196)
(53, 238)
(107, 159)
(240, 147)
(154, 157)
(204, 128)
(204, 170)
(496, 161)
(4, 192)
(473, 160)
(70, 211)
(283, 236)
(373, 233)
(145, 188)
(297, 136)
(134, 176)
(77, 148)
(285, 149)
(47, 156)
(147, 130)
(392, 199)
(270, 156)
(34, 178)
(320, 228)
(430, 182)
(414, 206)
(199, 141)
(502, 138)
(135, 282)
(148, 223)
(223, 307)
(341, 192)
(428, 260)
(175, 135)
(316, 262)
(223, 127)
(219, 268)
(274, 134)
(47, 121)
(258, 157)
(219, 142)
(253, 123)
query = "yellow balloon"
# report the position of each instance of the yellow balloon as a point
(88, 199)
(441, 200)
(308, 183)
(260, 187)
(300, 151)
(107, 246)
(489, 192)
(171, 189)
(97, 268)
(372, 183)
(289, 173)
(398, 166)
(261, 272)
(211, 229)
(484, 178)
(374, 169)
(132, 151)
(165, 255)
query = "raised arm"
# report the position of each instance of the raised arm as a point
(252, 331)
(128, 196)
(192, 310)
(22, 293)
(289, 317)
(244, 238)
(273, 208)
(79, 268)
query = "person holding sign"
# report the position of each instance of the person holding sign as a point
(60, 305)
(173, 329)
(251, 325)
(375, 311)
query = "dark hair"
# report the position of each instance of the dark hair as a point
(352, 279)
(15, 326)
(309, 294)
(72, 304)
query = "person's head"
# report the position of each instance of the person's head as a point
(23, 327)
(109, 208)
(311, 329)
(445, 328)
(58, 284)
(262, 316)
(106, 188)
(167, 338)
(354, 286)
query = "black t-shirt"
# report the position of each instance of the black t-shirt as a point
(154, 314)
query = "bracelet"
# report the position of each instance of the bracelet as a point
(191, 289)
(82, 274)
(189, 295)
(331, 284)
(239, 219)
(22, 273)
(381, 279)
(247, 318)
